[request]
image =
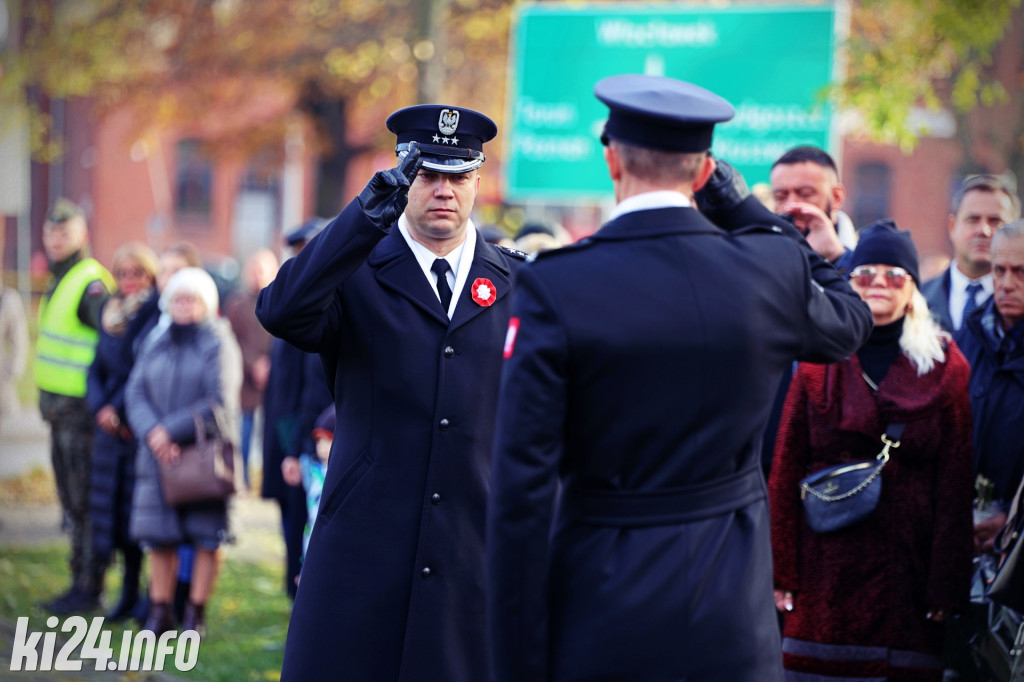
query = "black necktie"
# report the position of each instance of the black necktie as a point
(971, 304)
(441, 268)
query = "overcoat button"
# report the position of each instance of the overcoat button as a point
(436, 498)
(449, 351)
(443, 424)
(425, 572)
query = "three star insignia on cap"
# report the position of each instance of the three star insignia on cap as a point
(446, 140)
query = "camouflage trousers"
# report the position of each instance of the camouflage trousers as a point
(71, 433)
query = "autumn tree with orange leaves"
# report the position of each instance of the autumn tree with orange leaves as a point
(188, 64)
(343, 64)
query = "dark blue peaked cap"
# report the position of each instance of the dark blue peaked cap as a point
(451, 139)
(305, 231)
(662, 113)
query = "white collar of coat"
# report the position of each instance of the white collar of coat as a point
(648, 200)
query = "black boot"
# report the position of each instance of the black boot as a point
(194, 618)
(58, 601)
(181, 590)
(129, 585)
(73, 601)
(141, 611)
(160, 619)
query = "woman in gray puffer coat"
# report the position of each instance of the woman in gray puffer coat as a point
(194, 365)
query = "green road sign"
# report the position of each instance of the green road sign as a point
(770, 63)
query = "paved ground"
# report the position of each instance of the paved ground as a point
(24, 443)
(24, 448)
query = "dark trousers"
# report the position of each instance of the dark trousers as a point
(293, 521)
(248, 418)
(71, 434)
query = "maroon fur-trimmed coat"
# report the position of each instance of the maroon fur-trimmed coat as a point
(871, 584)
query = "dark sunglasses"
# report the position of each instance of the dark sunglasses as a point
(864, 275)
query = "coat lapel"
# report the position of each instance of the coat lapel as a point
(488, 263)
(395, 268)
(946, 317)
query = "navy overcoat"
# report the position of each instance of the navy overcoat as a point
(997, 399)
(112, 474)
(393, 583)
(641, 376)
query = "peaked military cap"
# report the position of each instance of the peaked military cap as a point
(305, 231)
(451, 139)
(662, 113)
(64, 210)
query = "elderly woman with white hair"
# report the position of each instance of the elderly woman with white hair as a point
(194, 366)
(868, 600)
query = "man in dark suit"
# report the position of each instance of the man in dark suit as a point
(408, 308)
(982, 205)
(641, 366)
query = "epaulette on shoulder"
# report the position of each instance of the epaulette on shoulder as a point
(568, 248)
(514, 253)
(757, 229)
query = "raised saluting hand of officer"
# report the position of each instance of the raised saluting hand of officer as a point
(386, 194)
(725, 189)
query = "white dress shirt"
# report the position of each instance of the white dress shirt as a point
(958, 282)
(460, 259)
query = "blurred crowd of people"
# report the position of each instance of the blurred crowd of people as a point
(134, 365)
(138, 362)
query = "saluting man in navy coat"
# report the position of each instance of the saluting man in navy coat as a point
(408, 311)
(642, 365)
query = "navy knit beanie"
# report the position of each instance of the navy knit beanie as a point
(883, 244)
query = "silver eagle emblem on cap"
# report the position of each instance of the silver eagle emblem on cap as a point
(449, 121)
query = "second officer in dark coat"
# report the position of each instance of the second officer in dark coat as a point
(409, 316)
(642, 367)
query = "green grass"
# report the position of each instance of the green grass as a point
(247, 616)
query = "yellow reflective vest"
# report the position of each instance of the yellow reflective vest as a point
(66, 345)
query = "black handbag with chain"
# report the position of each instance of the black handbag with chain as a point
(1008, 586)
(842, 495)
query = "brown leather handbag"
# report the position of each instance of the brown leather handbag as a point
(204, 471)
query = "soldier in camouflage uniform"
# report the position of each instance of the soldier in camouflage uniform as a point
(69, 317)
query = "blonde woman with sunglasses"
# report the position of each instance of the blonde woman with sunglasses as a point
(868, 601)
